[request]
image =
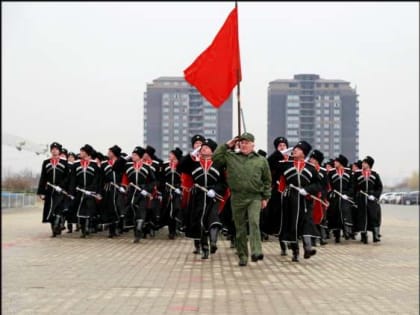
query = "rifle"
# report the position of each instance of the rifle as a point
(312, 196)
(149, 195)
(341, 196)
(218, 197)
(89, 193)
(60, 190)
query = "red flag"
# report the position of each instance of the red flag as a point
(218, 69)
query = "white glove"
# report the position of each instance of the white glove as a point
(211, 193)
(177, 191)
(88, 193)
(371, 197)
(303, 192)
(345, 197)
(121, 189)
(196, 151)
(144, 193)
(58, 189)
(98, 196)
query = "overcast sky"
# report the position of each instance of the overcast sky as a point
(76, 72)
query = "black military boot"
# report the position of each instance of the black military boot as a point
(57, 225)
(323, 241)
(205, 252)
(138, 231)
(69, 227)
(213, 240)
(307, 247)
(376, 235)
(121, 225)
(53, 231)
(196, 247)
(364, 238)
(295, 251)
(83, 228)
(283, 248)
(112, 232)
(87, 227)
(337, 235)
(347, 232)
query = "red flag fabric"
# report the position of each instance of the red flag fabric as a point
(218, 68)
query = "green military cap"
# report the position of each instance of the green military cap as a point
(247, 136)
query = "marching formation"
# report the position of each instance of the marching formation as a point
(213, 189)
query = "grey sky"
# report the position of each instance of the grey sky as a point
(76, 72)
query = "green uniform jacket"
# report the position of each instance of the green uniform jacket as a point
(247, 175)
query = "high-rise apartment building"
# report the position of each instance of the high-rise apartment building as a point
(174, 111)
(323, 112)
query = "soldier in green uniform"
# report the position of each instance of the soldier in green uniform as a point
(249, 178)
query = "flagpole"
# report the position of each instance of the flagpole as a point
(238, 89)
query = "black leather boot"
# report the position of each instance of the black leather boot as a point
(337, 234)
(196, 247)
(323, 236)
(205, 253)
(54, 234)
(295, 251)
(364, 238)
(121, 225)
(283, 248)
(138, 231)
(376, 235)
(69, 227)
(112, 230)
(213, 240)
(57, 225)
(307, 247)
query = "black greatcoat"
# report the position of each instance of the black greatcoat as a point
(271, 216)
(140, 174)
(86, 175)
(112, 201)
(297, 211)
(56, 172)
(202, 213)
(339, 212)
(368, 212)
(171, 203)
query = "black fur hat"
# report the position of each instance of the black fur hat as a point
(197, 138)
(150, 150)
(139, 151)
(178, 153)
(65, 152)
(210, 143)
(342, 160)
(279, 140)
(56, 145)
(304, 146)
(317, 155)
(116, 150)
(88, 149)
(369, 160)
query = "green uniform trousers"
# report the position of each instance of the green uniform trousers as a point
(246, 209)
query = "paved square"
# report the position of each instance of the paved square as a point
(97, 275)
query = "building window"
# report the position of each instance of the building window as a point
(292, 111)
